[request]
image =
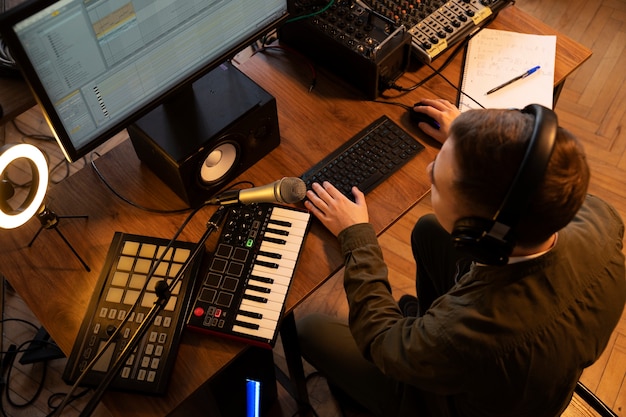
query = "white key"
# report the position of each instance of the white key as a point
(262, 333)
(260, 308)
(283, 263)
(284, 240)
(269, 305)
(278, 279)
(302, 216)
(280, 271)
(293, 229)
(274, 296)
(261, 323)
(280, 288)
(286, 251)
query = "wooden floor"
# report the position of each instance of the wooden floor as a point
(592, 105)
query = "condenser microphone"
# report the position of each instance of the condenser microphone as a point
(287, 190)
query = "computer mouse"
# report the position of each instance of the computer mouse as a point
(418, 117)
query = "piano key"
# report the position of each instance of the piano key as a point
(286, 251)
(259, 288)
(270, 254)
(261, 333)
(283, 272)
(279, 212)
(278, 222)
(263, 309)
(277, 231)
(274, 296)
(276, 240)
(263, 279)
(283, 240)
(250, 314)
(272, 265)
(296, 230)
(284, 263)
(268, 287)
(256, 298)
(281, 247)
(253, 323)
(278, 279)
(245, 324)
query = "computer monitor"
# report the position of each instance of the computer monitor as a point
(96, 66)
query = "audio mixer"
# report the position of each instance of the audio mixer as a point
(363, 40)
(435, 25)
(364, 48)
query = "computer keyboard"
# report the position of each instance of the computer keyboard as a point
(367, 159)
(121, 282)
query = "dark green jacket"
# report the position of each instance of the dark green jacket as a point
(504, 341)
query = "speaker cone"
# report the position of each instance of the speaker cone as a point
(219, 162)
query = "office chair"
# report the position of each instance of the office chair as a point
(590, 399)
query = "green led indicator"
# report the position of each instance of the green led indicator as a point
(249, 243)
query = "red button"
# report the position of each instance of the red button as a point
(198, 311)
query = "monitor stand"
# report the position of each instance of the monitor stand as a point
(205, 136)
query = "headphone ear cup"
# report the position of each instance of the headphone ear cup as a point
(469, 231)
(470, 236)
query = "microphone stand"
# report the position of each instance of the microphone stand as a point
(163, 294)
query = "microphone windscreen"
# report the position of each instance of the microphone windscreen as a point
(292, 190)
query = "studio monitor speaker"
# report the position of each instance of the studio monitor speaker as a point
(205, 136)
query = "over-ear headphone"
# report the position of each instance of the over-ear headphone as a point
(491, 241)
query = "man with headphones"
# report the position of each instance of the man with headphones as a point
(520, 277)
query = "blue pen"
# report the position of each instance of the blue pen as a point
(519, 77)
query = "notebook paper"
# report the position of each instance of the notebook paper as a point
(494, 57)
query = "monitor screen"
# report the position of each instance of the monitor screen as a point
(95, 66)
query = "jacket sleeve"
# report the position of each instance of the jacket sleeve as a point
(412, 350)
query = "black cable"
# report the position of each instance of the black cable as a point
(20, 321)
(455, 87)
(35, 136)
(148, 209)
(8, 66)
(127, 200)
(59, 396)
(41, 138)
(437, 71)
(306, 16)
(44, 372)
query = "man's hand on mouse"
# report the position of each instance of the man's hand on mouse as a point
(443, 112)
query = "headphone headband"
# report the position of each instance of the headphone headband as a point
(491, 241)
(533, 166)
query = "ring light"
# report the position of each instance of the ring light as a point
(11, 218)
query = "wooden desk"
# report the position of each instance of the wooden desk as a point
(57, 288)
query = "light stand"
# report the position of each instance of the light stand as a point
(163, 291)
(33, 203)
(50, 220)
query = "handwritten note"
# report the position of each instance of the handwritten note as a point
(496, 56)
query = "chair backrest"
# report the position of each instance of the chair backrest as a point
(586, 404)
